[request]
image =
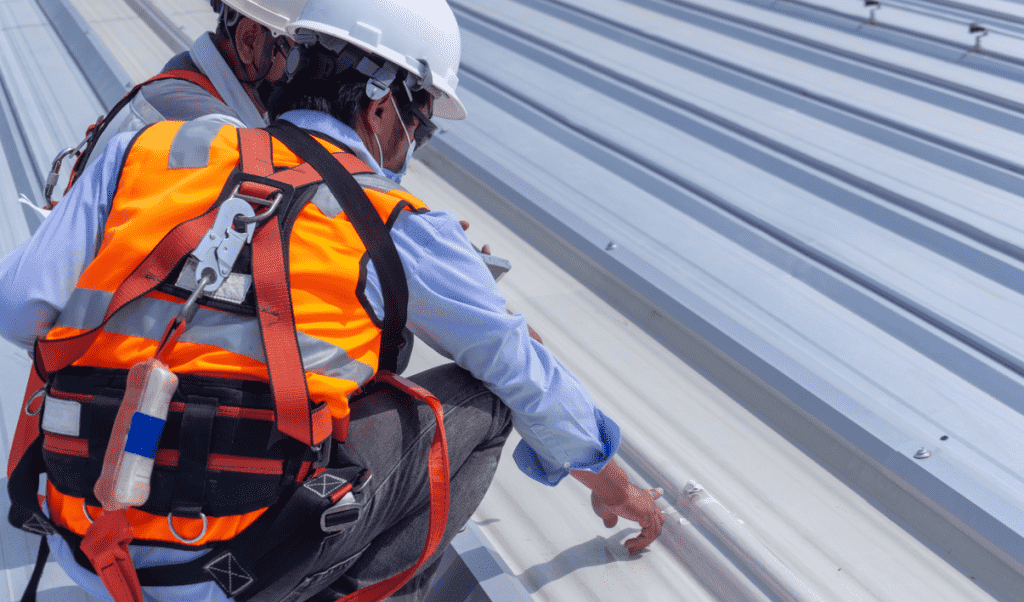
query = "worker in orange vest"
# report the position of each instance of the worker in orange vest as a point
(216, 317)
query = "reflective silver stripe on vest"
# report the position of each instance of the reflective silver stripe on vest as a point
(329, 206)
(377, 182)
(191, 146)
(148, 318)
(325, 202)
(62, 416)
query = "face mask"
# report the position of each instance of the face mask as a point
(396, 177)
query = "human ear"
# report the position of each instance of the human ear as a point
(248, 41)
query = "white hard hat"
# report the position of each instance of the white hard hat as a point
(275, 15)
(420, 36)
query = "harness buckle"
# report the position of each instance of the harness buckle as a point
(340, 514)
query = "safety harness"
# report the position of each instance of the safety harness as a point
(93, 133)
(305, 495)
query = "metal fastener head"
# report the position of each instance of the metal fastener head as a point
(610, 246)
(922, 454)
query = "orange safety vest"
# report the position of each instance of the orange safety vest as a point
(339, 336)
(266, 364)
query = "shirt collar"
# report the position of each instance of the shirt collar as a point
(208, 58)
(329, 126)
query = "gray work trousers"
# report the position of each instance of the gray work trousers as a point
(391, 435)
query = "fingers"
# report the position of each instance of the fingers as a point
(486, 250)
(534, 335)
(642, 509)
(650, 529)
(464, 224)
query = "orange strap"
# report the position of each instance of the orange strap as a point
(106, 546)
(437, 468)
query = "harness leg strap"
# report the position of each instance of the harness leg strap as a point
(106, 545)
(37, 572)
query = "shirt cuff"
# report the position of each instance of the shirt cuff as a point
(531, 464)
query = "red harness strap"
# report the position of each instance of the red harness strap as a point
(440, 492)
(273, 294)
(27, 431)
(190, 76)
(106, 546)
(184, 74)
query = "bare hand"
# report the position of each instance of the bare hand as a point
(486, 249)
(639, 507)
(614, 496)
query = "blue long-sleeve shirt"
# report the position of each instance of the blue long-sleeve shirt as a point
(454, 306)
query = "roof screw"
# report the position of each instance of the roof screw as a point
(979, 31)
(611, 246)
(692, 488)
(873, 5)
(922, 454)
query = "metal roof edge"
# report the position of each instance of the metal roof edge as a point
(487, 567)
(104, 73)
(958, 518)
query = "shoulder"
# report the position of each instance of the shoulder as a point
(182, 100)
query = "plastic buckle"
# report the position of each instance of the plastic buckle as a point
(222, 243)
(343, 512)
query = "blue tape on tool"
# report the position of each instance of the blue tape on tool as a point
(144, 435)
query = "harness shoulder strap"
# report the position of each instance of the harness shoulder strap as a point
(96, 130)
(382, 250)
(376, 238)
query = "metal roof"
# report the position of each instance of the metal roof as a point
(781, 244)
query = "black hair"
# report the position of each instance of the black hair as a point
(342, 95)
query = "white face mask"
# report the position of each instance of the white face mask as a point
(396, 177)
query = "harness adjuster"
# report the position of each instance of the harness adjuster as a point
(343, 512)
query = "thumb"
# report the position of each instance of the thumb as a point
(602, 510)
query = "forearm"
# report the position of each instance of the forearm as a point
(611, 484)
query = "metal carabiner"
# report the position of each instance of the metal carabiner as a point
(54, 175)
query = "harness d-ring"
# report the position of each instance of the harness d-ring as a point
(182, 539)
(42, 391)
(85, 511)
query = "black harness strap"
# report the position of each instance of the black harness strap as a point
(193, 457)
(37, 572)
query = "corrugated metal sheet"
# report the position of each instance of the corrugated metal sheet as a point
(833, 204)
(817, 220)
